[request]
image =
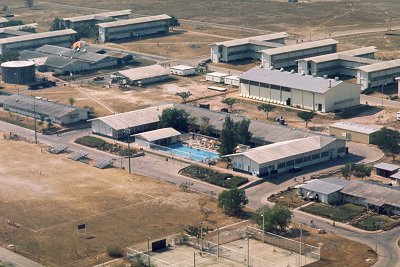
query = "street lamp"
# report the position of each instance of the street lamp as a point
(382, 93)
(376, 236)
(263, 226)
(148, 249)
(128, 132)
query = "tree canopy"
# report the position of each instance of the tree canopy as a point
(232, 201)
(306, 116)
(57, 24)
(28, 29)
(266, 108)
(175, 118)
(9, 55)
(358, 170)
(173, 22)
(233, 134)
(388, 141)
(205, 126)
(184, 95)
(229, 101)
(276, 218)
(242, 133)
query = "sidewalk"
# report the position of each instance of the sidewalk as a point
(17, 260)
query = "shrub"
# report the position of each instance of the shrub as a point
(115, 251)
(91, 141)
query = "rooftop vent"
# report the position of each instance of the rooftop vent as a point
(281, 69)
(292, 71)
(303, 73)
(336, 78)
(271, 68)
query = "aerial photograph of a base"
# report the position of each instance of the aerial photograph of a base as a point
(173, 133)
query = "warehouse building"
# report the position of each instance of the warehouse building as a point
(32, 41)
(284, 156)
(161, 137)
(374, 196)
(287, 56)
(144, 75)
(353, 132)
(246, 48)
(133, 28)
(378, 74)
(182, 70)
(326, 190)
(340, 63)
(87, 20)
(57, 113)
(298, 90)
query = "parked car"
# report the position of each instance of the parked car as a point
(98, 78)
(295, 169)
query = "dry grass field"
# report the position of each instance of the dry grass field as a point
(52, 194)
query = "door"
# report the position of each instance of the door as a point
(319, 107)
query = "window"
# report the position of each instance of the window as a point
(271, 167)
(264, 170)
(265, 85)
(316, 156)
(325, 154)
(299, 160)
(289, 163)
(274, 87)
(307, 158)
(281, 165)
(254, 83)
(286, 89)
(341, 150)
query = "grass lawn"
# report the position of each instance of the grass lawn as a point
(369, 223)
(288, 198)
(342, 213)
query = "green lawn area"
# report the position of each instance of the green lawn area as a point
(369, 223)
(342, 213)
(288, 198)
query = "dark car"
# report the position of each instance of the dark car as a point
(295, 169)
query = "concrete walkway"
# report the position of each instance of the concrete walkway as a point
(17, 260)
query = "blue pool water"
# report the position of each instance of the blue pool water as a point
(185, 151)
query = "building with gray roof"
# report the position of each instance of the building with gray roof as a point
(298, 90)
(144, 75)
(386, 169)
(326, 190)
(378, 74)
(34, 40)
(85, 20)
(287, 56)
(353, 132)
(375, 196)
(44, 109)
(246, 48)
(162, 137)
(133, 28)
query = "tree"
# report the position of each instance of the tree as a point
(388, 141)
(4, 8)
(29, 3)
(205, 126)
(173, 22)
(361, 170)
(175, 118)
(232, 201)
(57, 24)
(184, 95)
(306, 116)
(242, 133)
(266, 108)
(28, 29)
(229, 101)
(71, 101)
(49, 123)
(276, 218)
(91, 30)
(9, 55)
(228, 137)
(346, 170)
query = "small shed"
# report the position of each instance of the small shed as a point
(232, 80)
(161, 137)
(183, 70)
(386, 169)
(326, 190)
(353, 132)
(396, 178)
(216, 77)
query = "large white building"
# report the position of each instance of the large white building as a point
(283, 156)
(298, 90)
(287, 56)
(81, 21)
(133, 28)
(32, 41)
(144, 75)
(340, 63)
(378, 74)
(246, 47)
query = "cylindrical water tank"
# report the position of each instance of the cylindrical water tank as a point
(18, 72)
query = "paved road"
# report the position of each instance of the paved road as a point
(376, 101)
(17, 260)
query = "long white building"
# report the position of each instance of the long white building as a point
(378, 74)
(298, 90)
(133, 28)
(283, 156)
(246, 47)
(81, 21)
(340, 63)
(32, 41)
(287, 56)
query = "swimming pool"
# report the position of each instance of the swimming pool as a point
(188, 152)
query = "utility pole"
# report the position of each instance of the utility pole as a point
(148, 249)
(263, 227)
(218, 242)
(248, 250)
(128, 132)
(34, 117)
(194, 259)
(301, 236)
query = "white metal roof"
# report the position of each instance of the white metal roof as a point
(135, 74)
(387, 166)
(182, 67)
(289, 79)
(217, 74)
(242, 41)
(133, 118)
(159, 134)
(299, 47)
(384, 65)
(35, 36)
(351, 126)
(282, 150)
(396, 176)
(93, 16)
(125, 22)
(19, 27)
(334, 56)
(325, 186)
(232, 77)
